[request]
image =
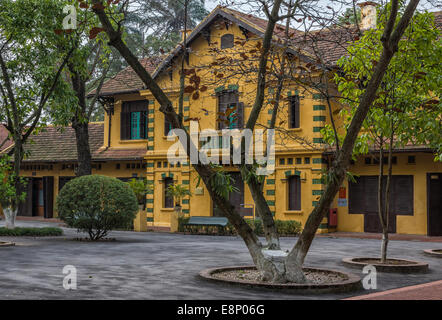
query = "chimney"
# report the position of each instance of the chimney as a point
(185, 32)
(368, 15)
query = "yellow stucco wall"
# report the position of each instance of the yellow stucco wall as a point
(415, 224)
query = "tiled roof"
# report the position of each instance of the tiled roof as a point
(119, 154)
(4, 136)
(127, 81)
(329, 45)
(58, 144)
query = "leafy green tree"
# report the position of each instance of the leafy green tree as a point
(140, 187)
(178, 192)
(155, 25)
(407, 106)
(31, 64)
(87, 69)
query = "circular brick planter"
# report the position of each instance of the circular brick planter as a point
(403, 266)
(350, 283)
(6, 244)
(435, 253)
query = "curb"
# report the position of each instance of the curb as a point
(6, 244)
(353, 282)
(433, 253)
(411, 267)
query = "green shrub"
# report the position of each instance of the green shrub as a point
(30, 232)
(288, 227)
(96, 204)
(284, 227)
(181, 222)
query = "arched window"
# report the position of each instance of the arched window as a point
(227, 41)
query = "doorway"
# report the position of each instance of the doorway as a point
(39, 200)
(434, 202)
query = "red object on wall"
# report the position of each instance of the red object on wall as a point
(333, 218)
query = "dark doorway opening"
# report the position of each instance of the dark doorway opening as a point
(39, 200)
(434, 192)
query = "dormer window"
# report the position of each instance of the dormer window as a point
(227, 41)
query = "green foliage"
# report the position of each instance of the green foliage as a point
(178, 192)
(140, 187)
(8, 195)
(350, 17)
(96, 204)
(30, 232)
(284, 227)
(33, 58)
(182, 220)
(154, 27)
(221, 182)
(407, 103)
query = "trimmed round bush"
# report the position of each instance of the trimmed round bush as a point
(96, 204)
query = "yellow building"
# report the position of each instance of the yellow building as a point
(51, 160)
(219, 46)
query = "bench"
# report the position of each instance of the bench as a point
(218, 222)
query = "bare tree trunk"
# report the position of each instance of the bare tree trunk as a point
(382, 218)
(80, 123)
(263, 211)
(83, 148)
(387, 199)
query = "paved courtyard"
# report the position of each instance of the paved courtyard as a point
(165, 266)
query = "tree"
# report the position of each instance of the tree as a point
(407, 106)
(154, 26)
(8, 196)
(31, 67)
(140, 187)
(86, 69)
(178, 192)
(290, 269)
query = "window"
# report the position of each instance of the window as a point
(367, 160)
(289, 160)
(298, 160)
(159, 164)
(168, 200)
(307, 160)
(363, 195)
(230, 110)
(411, 159)
(227, 41)
(282, 161)
(294, 193)
(134, 120)
(294, 112)
(167, 126)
